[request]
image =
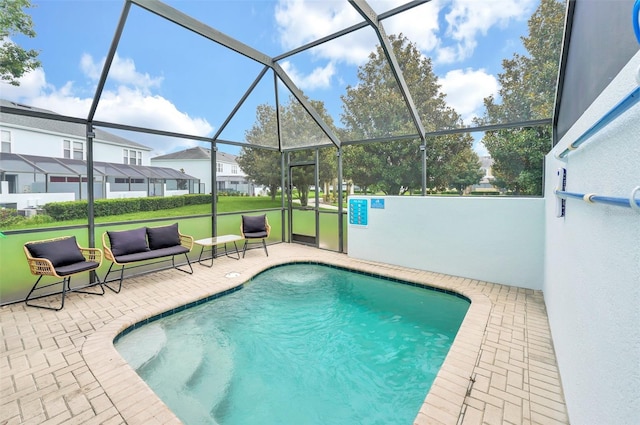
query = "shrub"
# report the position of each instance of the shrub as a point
(60, 211)
(40, 219)
(10, 217)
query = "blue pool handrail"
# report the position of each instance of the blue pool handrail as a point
(593, 198)
(636, 25)
(622, 106)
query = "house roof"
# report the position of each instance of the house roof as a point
(197, 153)
(52, 126)
(12, 162)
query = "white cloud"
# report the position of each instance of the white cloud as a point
(132, 106)
(302, 21)
(31, 85)
(130, 102)
(466, 89)
(319, 78)
(122, 71)
(468, 19)
(420, 24)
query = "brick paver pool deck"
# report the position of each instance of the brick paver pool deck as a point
(61, 367)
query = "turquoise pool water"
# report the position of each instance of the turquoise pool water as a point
(300, 344)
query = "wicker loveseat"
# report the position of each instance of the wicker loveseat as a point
(126, 247)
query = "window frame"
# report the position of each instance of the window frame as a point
(5, 141)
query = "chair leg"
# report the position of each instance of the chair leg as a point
(246, 243)
(106, 282)
(178, 268)
(65, 285)
(90, 286)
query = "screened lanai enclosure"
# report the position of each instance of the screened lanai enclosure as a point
(383, 97)
(354, 99)
(481, 142)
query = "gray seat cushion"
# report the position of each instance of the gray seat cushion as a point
(150, 255)
(255, 235)
(76, 268)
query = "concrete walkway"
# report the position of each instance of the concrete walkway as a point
(61, 367)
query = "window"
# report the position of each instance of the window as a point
(234, 169)
(78, 150)
(131, 157)
(219, 167)
(6, 141)
(73, 150)
(61, 179)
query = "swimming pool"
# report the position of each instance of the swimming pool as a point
(302, 343)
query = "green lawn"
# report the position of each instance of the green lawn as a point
(17, 279)
(225, 204)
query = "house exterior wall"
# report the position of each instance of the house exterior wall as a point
(201, 168)
(107, 152)
(29, 141)
(592, 274)
(33, 142)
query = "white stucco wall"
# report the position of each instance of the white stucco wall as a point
(592, 277)
(200, 168)
(497, 240)
(29, 141)
(107, 152)
(34, 142)
(34, 200)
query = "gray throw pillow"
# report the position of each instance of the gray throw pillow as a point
(253, 224)
(128, 241)
(62, 252)
(163, 237)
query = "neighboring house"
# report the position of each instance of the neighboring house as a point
(197, 162)
(58, 139)
(43, 160)
(486, 183)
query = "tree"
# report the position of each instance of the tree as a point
(375, 108)
(14, 60)
(527, 90)
(262, 166)
(297, 130)
(466, 170)
(359, 166)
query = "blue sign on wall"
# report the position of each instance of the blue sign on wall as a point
(358, 212)
(377, 203)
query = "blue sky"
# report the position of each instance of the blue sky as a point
(169, 78)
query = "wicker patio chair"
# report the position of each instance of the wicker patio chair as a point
(60, 258)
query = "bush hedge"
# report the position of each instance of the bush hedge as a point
(60, 211)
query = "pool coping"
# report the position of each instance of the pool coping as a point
(134, 399)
